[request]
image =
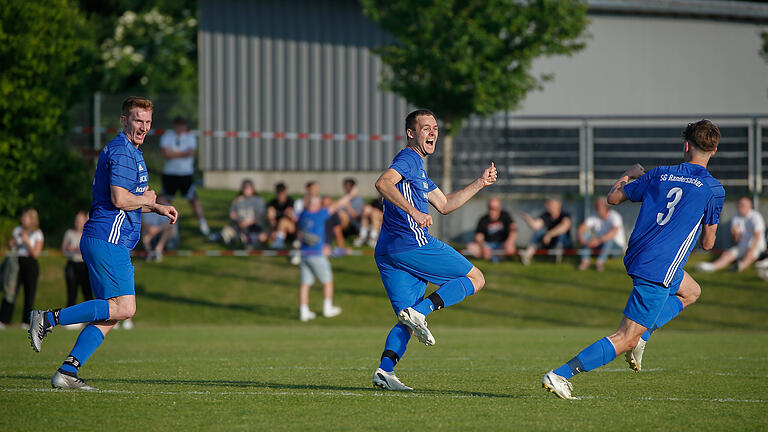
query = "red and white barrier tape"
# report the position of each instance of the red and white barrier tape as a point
(260, 134)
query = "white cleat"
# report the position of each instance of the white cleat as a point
(63, 381)
(558, 385)
(705, 267)
(332, 311)
(635, 356)
(388, 381)
(417, 322)
(37, 329)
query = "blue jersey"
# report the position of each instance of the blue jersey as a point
(399, 232)
(311, 226)
(120, 164)
(677, 200)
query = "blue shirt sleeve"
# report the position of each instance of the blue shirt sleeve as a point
(636, 189)
(402, 165)
(714, 206)
(122, 171)
(430, 185)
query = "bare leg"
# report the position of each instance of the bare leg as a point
(723, 261)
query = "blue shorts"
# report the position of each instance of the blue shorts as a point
(109, 268)
(405, 274)
(648, 298)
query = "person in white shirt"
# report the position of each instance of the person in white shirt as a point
(27, 242)
(748, 234)
(179, 147)
(603, 231)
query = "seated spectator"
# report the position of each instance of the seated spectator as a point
(314, 261)
(346, 221)
(282, 225)
(76, 272)
(157, 233)
(26, 245)
(748, 232)
(495, 231)
(370, 222)
(246, 214)
(603, 231)
(551, 229)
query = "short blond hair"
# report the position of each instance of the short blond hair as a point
(132, 102)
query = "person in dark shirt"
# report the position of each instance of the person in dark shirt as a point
(495, 231)
(551, 229)
(280, 215)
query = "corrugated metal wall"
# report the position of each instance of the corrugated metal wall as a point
(273, 71)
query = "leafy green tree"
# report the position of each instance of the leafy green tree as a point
(464, 57)
(46, 64)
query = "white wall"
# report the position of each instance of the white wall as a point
(649, 65)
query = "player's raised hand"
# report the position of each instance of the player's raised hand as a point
(169, 211)
(489, 175)
(636, 171)
(423, 219)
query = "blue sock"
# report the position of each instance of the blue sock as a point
(85, 312)
(598, 354)
(448, 294)
(671, 309)
(90, 339)
(394, 347)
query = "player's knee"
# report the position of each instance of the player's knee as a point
(477, 278)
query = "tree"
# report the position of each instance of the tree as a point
(464, 57)
(46, 64)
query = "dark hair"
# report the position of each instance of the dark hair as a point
(411, 119)
(135, 102)
(179, 120)
(349, 181)
(280, 187)
(703, 135)
(309, 183)
(246, 182)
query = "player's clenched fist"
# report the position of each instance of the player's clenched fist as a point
(636, 171)
(489, 175)
(424, 220)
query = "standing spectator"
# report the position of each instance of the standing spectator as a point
(311, 189)
(495, 230)
(748, 232)
(157, 233)
(370, 222)
(27, 242)
(280, 216)
(179, 147)
(604, 231)
(346, 221)
(246, 214)
(76, 272)
(314, 262)
(551, 229)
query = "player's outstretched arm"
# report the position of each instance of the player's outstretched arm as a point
(447, 203)
(125, 200)
(617, 196)
(343, 201)
(386, 187)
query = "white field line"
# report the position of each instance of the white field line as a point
(346, 393)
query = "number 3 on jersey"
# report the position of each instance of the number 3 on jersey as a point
(678, 194)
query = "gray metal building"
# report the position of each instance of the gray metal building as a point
(288, 91)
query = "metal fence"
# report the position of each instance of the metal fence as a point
(585, 155)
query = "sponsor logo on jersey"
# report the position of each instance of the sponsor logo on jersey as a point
(141, 189)
(141, 167)
(143, 178)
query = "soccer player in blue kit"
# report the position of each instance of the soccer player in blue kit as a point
(407, 256)
(678, 203)
(120, 195)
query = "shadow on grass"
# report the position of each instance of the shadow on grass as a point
(266, 385)
(258, 309)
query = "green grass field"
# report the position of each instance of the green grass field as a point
(217, 345)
